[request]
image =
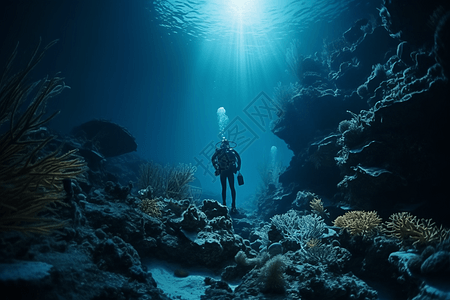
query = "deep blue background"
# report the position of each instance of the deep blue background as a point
(162, 84)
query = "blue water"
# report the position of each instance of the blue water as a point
(163, 68)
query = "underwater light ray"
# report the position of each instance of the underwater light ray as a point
(214, 19)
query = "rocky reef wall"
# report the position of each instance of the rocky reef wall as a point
(367, 124)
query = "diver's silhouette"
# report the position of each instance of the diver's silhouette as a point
(227, 162)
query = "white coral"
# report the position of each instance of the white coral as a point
(298, 228)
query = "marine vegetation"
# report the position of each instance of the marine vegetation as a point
(317, 252)
(169, 181)
(283, 95)
(150, 174)
(294, 59)
(272, 275)
(408, 228)
(300, 229)
(31, 179)
(357, 222)
(317, 207)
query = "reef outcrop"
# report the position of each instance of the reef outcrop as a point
(371, 135)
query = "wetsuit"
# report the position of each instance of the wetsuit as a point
(227, 161)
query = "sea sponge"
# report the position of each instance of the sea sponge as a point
(242, 260)
(359, 222)
(151, 207)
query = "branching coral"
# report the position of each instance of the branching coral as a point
(317, 207)
(168, 181)
(151, 174)
(359, 222)
(30, 180)
(313, 243)
(405, 226)
(319, 253)
(299, 228)
(178, 179)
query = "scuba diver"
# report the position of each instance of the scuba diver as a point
(227, 162)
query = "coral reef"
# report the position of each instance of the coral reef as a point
(177, 180)
(299, 229)
(317, 207)
(409, 228)
(333, 256)
(151, 175)
(431, 264)
(290, 276)
(272, 275)
(359, 222)
(371, 108)
(151, 207)
(168, 181)
(370, 134)
(283, 95)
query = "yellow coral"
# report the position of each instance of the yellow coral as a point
(314, 243)
(317, 207)
(151, 207)
(405, 226)
(358, 222)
